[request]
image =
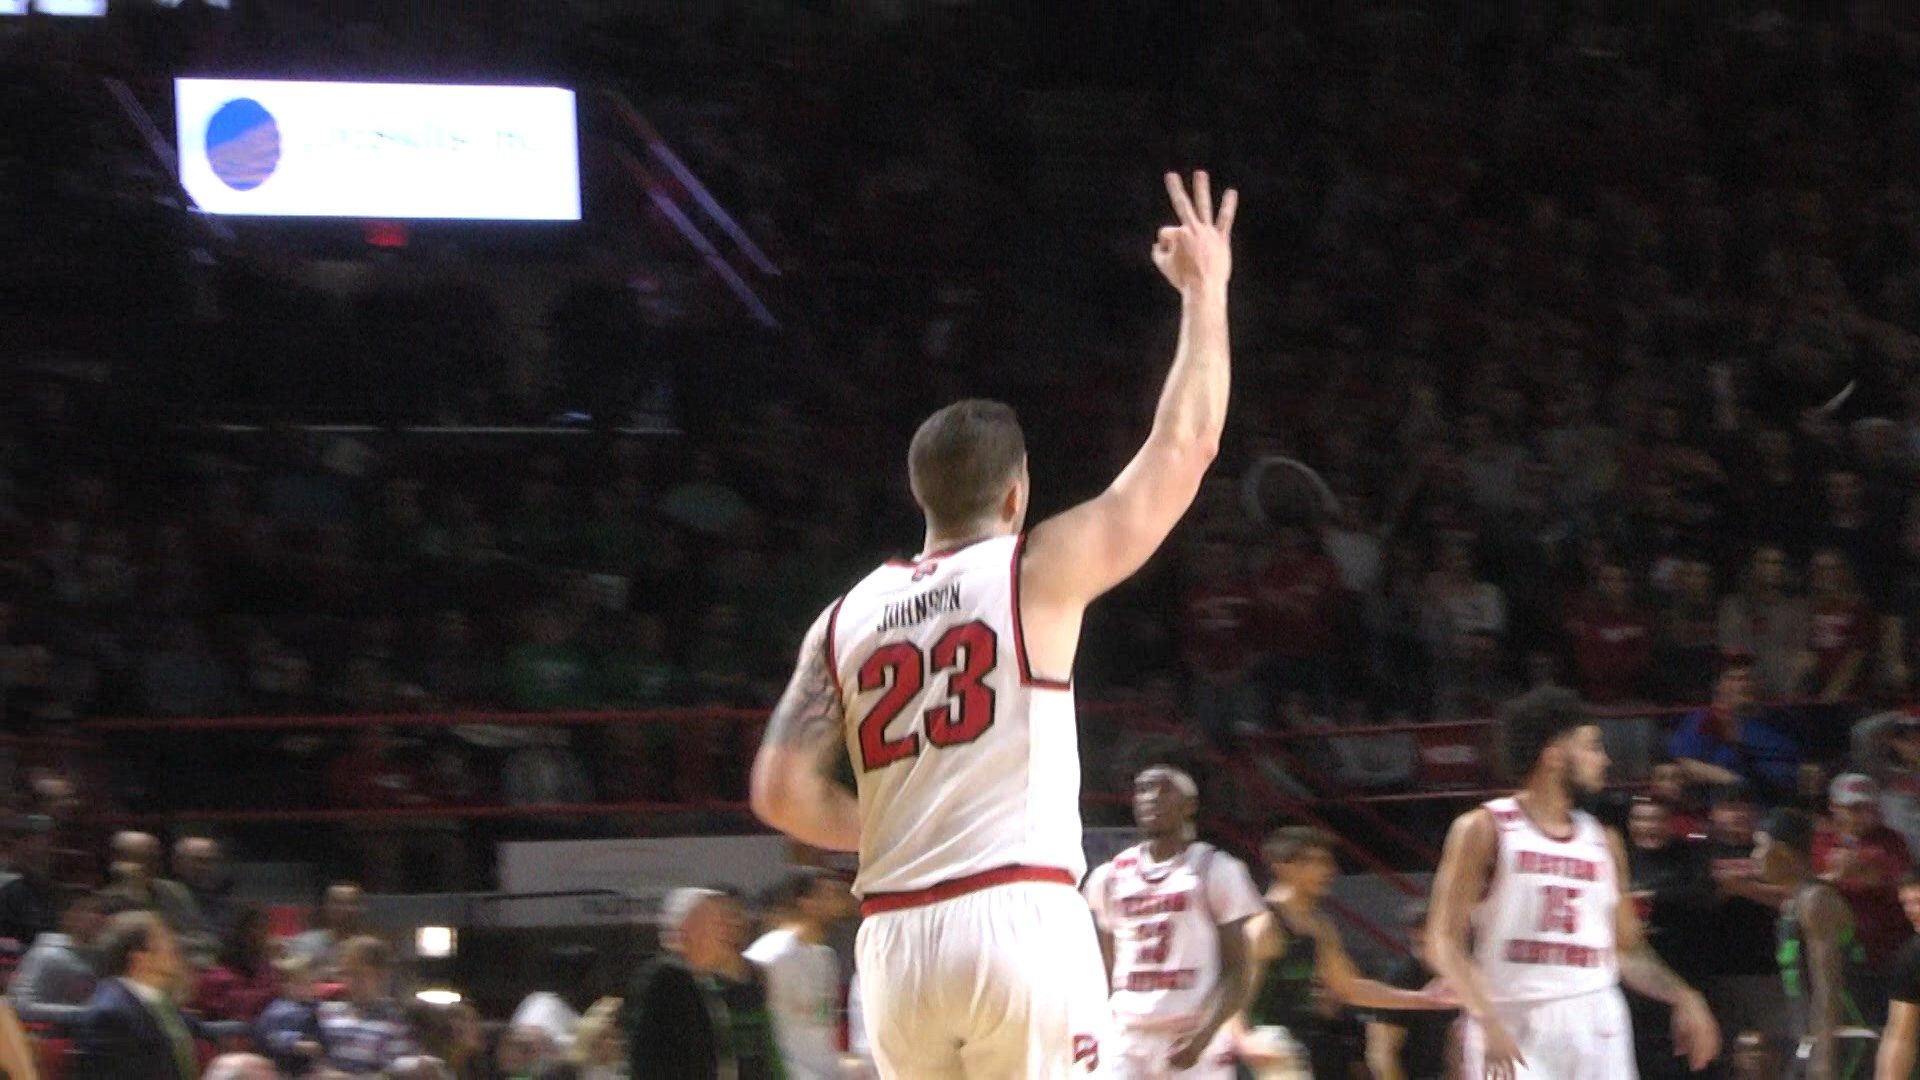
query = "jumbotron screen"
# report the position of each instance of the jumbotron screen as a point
(264, 148)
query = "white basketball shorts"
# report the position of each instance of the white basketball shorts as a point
(998, 984)
(1588, 1037)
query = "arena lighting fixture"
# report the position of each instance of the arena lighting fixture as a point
(439, 997)
(435, 942)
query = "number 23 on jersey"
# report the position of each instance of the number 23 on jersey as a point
(965, 655)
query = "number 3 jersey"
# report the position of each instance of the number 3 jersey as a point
(1164, 919)
(1546, 927)
(964, 759)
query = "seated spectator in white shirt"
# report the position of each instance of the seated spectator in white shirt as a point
(57, 976)
(571, 968)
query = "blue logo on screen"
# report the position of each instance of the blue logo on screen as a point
(243, 144)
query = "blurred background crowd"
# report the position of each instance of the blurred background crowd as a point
(1575, 344)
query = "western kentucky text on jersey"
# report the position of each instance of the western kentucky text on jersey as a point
(964, 764)
(1165, 920)
(1539, 862)
(1545, 929)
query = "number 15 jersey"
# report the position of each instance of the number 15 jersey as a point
(965, 761)
(1546, 927)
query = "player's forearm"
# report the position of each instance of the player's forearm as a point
(1373, 994)
(1231, 997)
(1895, 1061)
(1193, 403)
(1642, 970)
(1455, 967)
(813, 810)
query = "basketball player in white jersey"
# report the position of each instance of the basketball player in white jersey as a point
(1172, 914)
(945, 678)
(1528, 926)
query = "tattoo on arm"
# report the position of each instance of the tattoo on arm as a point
(809, 715)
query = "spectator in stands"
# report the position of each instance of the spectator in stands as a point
(523, 1051)
(132, 1030)
(1866, 861)
(57, 977)
(1612, 641)
(28, 906)
(1768, 622)
(1726, 742)
(452, 1034)
(368, 1032)
(1219, 614)
(289, 1028)
(1746, 991)
(1688, 652)
(1670, 886)
(1900, 1042)
(574, 969)
(599, 1051)
(1842, 630)
(699, 1009)
(76, 850)
(1295, 606)
(241, 1067)
(241, 983)
(197, 865)
(803, 972)
(1887, 748)
(1465, 619)
(1667, 785)
(135, 882)
(547, 670)
(338, 919)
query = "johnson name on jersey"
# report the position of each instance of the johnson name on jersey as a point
(964, 761)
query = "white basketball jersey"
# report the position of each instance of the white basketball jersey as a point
(1546, 927)
(965, 761)
(1165, 921)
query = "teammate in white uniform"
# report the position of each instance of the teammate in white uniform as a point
(1528, 927)
(945, 679)
(1172, 914)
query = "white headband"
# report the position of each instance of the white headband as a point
(1181, 781)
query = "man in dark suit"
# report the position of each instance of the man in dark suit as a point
(132, 1030)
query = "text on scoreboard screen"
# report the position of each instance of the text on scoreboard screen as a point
(378, 150)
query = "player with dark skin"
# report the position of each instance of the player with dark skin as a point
(1165, 815)
(1822, 921)
(1571, 764)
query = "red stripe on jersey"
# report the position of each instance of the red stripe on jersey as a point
(880, 903)
(951, 549)
(833, 653)
(1019, 636)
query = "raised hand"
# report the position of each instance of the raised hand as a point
(1199, 250)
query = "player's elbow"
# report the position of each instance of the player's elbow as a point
(771, 791)
(1190, 451)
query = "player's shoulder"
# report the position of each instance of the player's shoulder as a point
(1481, 822)
(1216, 862)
